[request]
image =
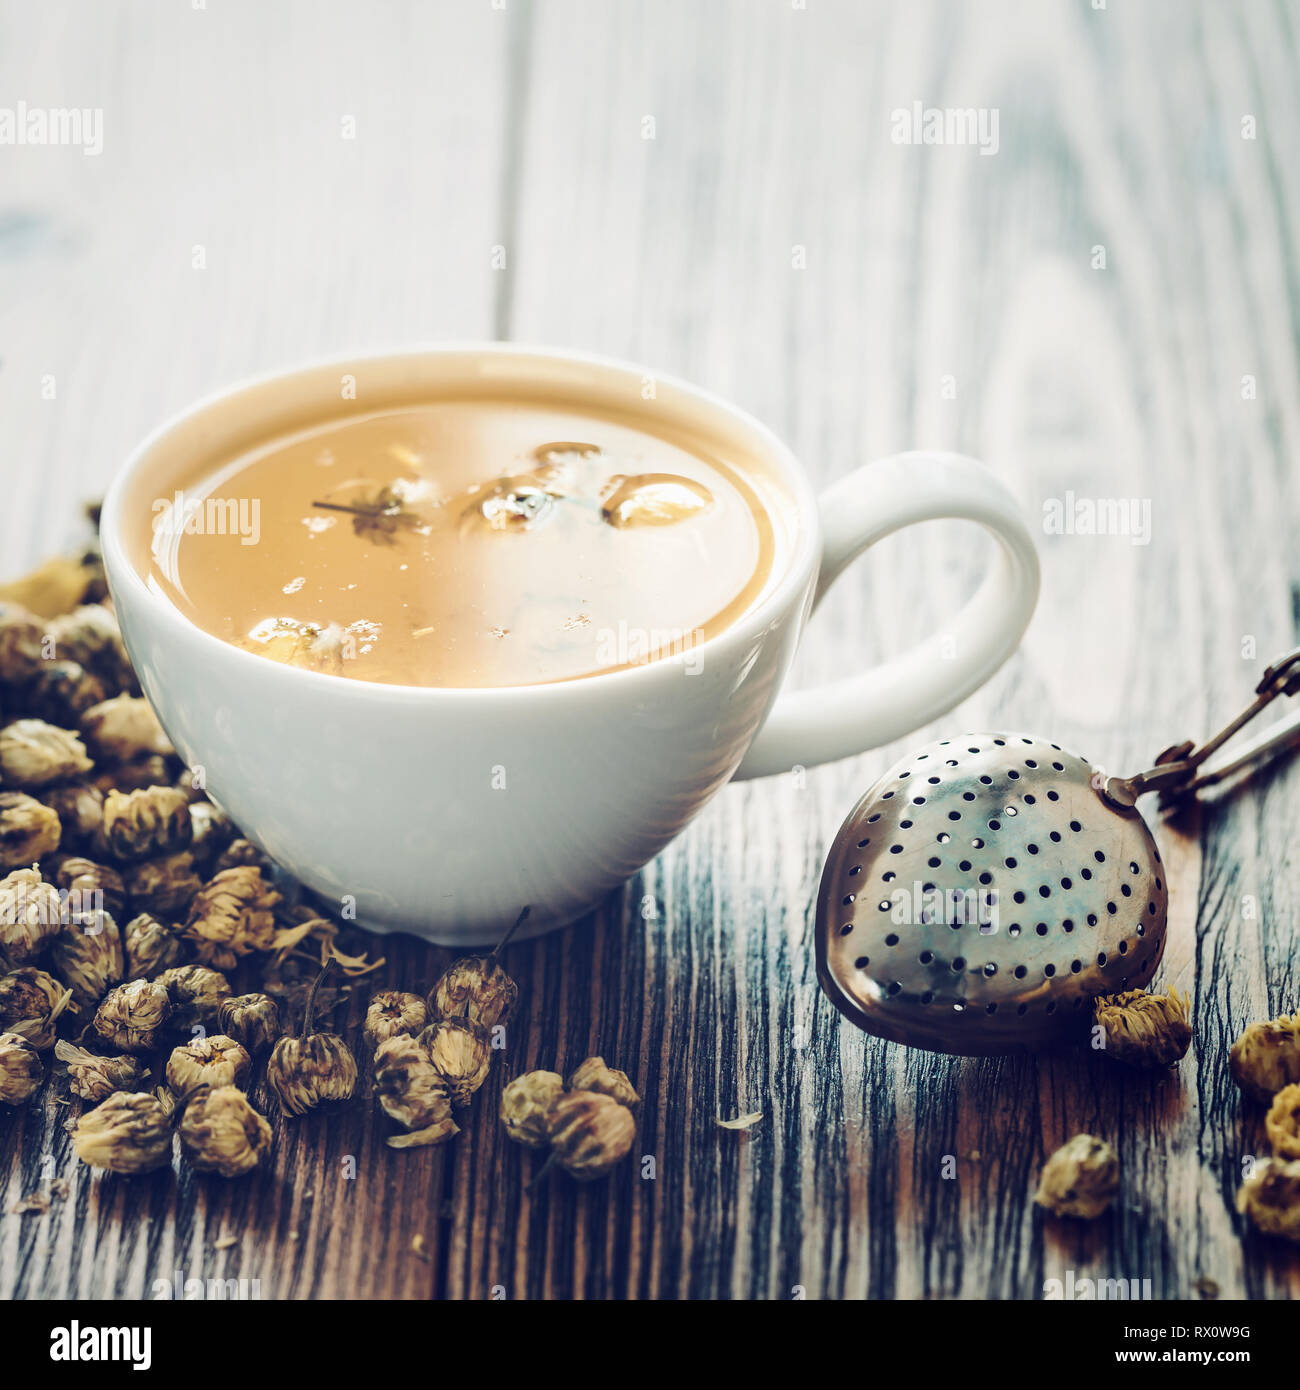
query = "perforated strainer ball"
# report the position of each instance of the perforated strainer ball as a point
(982, 893)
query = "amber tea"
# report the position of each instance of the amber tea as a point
(468, 542)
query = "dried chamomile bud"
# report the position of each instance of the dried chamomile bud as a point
(477, 988)
(309, 1071)
(1270, 1198)
(1267, 1057)
(1080, 1179)
(87, 953)
(151, 947)
(136, 776)
(312, 1068)
(146, 823)
(213, 831)
(222, 1133)
(89, 635)
(196, 993)
(163, 887)
(91, 887)
(251, 1019)
(1282, 1123)
(232, 916)
(124, 728)
(132, 1016)
(130, 1132)
(1144, 1030)
(21, 639)
(526, 1105)
(474, 988)
(590, 1133)
(212, 1061)
(34, 754)
(28, 830)
(61, 692)
(53, 587)
(31, 1003)
(80, 809)
(392, 1013)
(461, 1055)
(95, 1078)
(31, 914)
(594, 1075)
(21, 1070)
(410, 1089)
(242, 854)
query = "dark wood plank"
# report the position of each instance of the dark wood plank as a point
(947, 300)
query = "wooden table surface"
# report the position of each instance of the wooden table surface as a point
(1107, 306)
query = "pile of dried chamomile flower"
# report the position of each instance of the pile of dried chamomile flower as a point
(588, 1125)
(432, 1054)
(144, 943)
(1265, 1063)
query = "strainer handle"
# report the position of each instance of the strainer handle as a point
(861, 712)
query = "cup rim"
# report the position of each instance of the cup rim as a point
(799, 566)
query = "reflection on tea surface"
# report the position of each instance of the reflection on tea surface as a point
(469, 543)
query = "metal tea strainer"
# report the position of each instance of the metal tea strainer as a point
(989, 886)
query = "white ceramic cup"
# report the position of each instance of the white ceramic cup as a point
(443, 811)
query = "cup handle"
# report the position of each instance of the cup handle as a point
(861, 712)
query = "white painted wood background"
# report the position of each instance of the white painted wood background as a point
(772, 243)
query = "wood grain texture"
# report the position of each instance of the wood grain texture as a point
(772, 243)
